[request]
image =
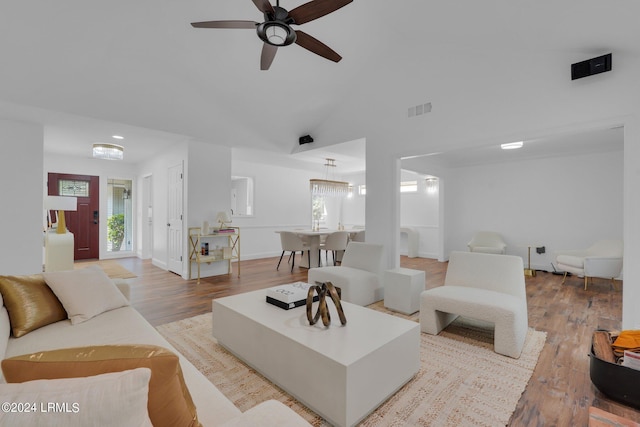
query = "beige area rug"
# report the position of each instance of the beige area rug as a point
(461, 381)
(111, 268)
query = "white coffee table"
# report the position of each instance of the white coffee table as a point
(341, 372)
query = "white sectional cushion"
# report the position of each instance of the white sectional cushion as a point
(85, 293)
(106, 400)
(126, 326)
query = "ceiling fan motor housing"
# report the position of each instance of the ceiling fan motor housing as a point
(276, 30)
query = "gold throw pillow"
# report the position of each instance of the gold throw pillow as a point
(170, 403)
(30, 302)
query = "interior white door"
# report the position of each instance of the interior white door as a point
(174, 218)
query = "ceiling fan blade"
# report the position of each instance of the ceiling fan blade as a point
(316, 9)
(264, 6)
(316, 46)
(268, 53)
(251, 25)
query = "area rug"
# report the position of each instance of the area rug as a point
(461, 381)
(111, 268)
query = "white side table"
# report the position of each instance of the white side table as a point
(402, 288)
(58, 253)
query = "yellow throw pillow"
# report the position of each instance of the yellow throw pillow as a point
(170, 402)
(30, 302)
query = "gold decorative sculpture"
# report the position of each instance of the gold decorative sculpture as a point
(323, 290)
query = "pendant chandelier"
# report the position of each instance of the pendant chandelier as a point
(327, 187)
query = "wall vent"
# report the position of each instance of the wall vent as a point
(419, 110)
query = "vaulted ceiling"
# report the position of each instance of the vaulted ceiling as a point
(81, 67)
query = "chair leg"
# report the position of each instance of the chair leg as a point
(278, 267)
(293, 261)
(564, 277)
(613, 283)
(586, 281)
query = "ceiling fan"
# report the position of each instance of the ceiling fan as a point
(276, 29)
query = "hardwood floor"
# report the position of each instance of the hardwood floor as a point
(560, 390)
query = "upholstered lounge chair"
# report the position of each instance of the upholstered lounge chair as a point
(603, 259)
(359, 276)
(487, 287)
(488, 242)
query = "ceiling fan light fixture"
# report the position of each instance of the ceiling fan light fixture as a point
(276, 33)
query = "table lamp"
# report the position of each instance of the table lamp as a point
(223, 218)
(61, 204)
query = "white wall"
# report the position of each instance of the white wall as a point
(559, 203)
(281, 201)
(419, 211)
(22, 213)
(207, 192)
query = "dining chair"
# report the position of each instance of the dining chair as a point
(336, 241)
(290, 241)
(358, 236)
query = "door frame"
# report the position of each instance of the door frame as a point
(72, 218)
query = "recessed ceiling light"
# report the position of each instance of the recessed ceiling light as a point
(117, 137)
(512, 145)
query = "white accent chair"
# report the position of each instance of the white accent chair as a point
(488, 242)
(603, 259)
(486, 287)
(359, 276)
(292, 242)
(336, 243)
(358, 236)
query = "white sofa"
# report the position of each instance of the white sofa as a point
(125, 325)
(359, 276)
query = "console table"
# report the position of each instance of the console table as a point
(229, 252)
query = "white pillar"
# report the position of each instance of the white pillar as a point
(382, 214)
(631, 226)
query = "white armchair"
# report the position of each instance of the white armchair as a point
(358, 276)
(488, 242)
(603, 259)
(487, 287)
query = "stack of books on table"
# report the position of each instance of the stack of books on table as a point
(226, 230)
(289, 296)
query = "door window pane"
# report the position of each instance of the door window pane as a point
(119, 215)
(70, 187)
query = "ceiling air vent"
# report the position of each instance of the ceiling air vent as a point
(419, 110)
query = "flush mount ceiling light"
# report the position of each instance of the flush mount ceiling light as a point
(108, 151)
(117, 136)
(512, 145)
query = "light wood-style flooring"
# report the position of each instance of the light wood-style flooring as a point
(560, 390)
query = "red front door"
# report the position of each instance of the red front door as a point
(84, 222)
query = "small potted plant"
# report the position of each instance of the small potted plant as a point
(115, 231)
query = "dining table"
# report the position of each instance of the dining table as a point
(311, 259)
